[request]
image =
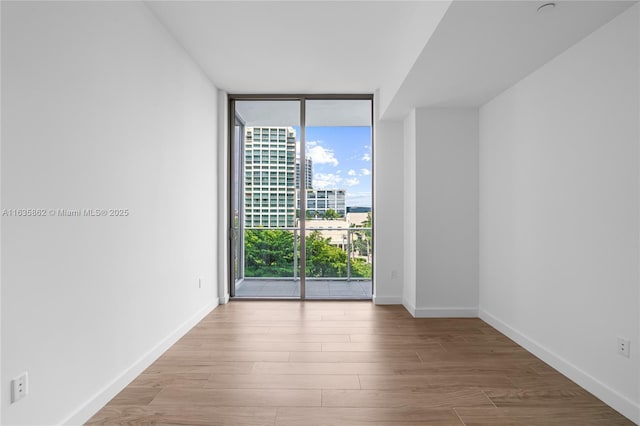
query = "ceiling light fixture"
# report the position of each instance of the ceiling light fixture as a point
(546, 7)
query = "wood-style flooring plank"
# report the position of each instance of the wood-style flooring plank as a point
(441, 398)
(434, 381)
(543, 382)
(163, 380)
(468, 336)
(285, 381)
(313, 368)
(366, 416)
(354, 356)
(194, 398)
(542, 398)
(542, 416)
(173, 414)
(160, 367)
(376, 339)
(229, 356)
(418, 345)
(290, 338)
(136, 396)
(263, 346)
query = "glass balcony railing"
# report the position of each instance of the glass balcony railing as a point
(331, 253)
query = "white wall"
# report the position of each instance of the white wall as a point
(559, 196)
(447, 212)
(440, 276)
(409, 213)
(638, 122)
(388, 207)
(101, 109)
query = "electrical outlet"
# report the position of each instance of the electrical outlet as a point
(624, 346)
(19, 387)
(394, 274)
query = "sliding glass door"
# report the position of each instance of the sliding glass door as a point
(338, 198)
(301, 197)
(263, 182)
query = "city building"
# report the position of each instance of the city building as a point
(272, 176)
(340, 232)
(308, 170)
(269, 176)
(334, 229)
(320, 201)
(357, 218)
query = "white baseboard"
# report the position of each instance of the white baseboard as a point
(99, 400)
(440, 312)
(224, 299)
(622, 404)
(446, 313)
(409, 307)
(387, 300)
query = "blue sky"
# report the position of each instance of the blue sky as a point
(342, 159)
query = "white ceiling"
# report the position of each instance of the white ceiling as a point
(481, 48)
(416, 53)
(302, 46)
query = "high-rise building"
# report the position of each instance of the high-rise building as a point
(270, 175)
(319, 201)
(308, 170)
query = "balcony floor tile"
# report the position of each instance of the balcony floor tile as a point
(337, 289)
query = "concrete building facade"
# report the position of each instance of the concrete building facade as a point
(269, 160)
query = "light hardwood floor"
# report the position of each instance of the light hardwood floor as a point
(349, 363)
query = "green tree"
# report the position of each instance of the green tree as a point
(268, 253)
(360, 268)
(330, 214)
(362, 241)
(323, 259)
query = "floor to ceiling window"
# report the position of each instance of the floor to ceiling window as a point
(301, 197)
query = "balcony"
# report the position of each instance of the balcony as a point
(338, 263)
(315, 289)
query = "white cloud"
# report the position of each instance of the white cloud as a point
(365, 172)
(326, 180)
(320, 154)
(366, 157)
(351, 172)
(352, 182)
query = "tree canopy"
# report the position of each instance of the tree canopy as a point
(269, 253)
